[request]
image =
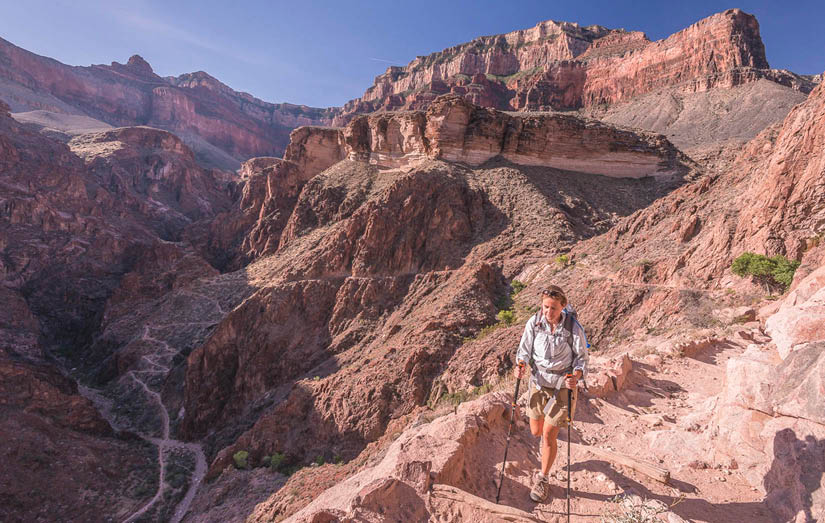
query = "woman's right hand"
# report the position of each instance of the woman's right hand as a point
(519, 371)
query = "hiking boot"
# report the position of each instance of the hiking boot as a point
(541, 489)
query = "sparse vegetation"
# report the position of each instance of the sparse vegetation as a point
(241, 459)
(562, 260)
(776, 271)
(319, 460)
(460, 396)
(507, 315)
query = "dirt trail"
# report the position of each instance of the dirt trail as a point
(156, 364)
(661, 418)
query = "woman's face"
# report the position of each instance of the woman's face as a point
(551, 308)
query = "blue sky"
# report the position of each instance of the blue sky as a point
(324, 53)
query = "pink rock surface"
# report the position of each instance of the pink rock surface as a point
(801, 316)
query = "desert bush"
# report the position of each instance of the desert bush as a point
(507, 316)
(241, 459)
(563, 260)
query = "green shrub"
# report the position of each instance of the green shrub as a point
(563, 260)
(776, 271)
(240, 458)
(507, 316)
(277, 462)
(517, 287)
(266, 461)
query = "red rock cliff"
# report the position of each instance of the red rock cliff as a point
(560, 65)
(132, 94)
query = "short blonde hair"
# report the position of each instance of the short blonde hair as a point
(556, 293)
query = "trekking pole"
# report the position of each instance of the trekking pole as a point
(509, 431)
(569, 432)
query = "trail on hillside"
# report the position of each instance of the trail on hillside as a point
(155, 365)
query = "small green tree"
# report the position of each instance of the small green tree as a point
(776, 271)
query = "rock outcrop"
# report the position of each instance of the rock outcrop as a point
(451, 130)
(152, 172)
(440, 468)
(559, 65)
(771, 412)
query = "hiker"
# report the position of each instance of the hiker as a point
(553, 345)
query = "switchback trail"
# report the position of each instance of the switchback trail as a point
(155, 365)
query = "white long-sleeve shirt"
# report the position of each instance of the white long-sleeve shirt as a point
(552, 354)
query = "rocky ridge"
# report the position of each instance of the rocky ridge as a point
(562, 66)
(202, 111)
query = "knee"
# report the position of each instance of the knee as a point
(536, 427)
(550, 436)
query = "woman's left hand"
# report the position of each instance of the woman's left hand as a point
(571, 381)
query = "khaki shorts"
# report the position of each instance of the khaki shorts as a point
(538, 399)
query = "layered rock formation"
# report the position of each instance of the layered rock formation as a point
(205, 113)
(559, 65)
(452, 130)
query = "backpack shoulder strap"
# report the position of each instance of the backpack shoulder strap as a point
(569, 318)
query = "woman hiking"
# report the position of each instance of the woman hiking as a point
(554, 346)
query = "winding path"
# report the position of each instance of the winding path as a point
(155, 366)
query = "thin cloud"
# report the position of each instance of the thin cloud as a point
(162, 29)
(387, 61)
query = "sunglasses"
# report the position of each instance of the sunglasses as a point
(554, 294)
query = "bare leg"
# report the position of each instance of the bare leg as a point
(549, 447)
(536, 426)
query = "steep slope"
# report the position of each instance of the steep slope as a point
(197, 107)
(665, 268)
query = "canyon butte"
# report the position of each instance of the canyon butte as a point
(223, 309)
